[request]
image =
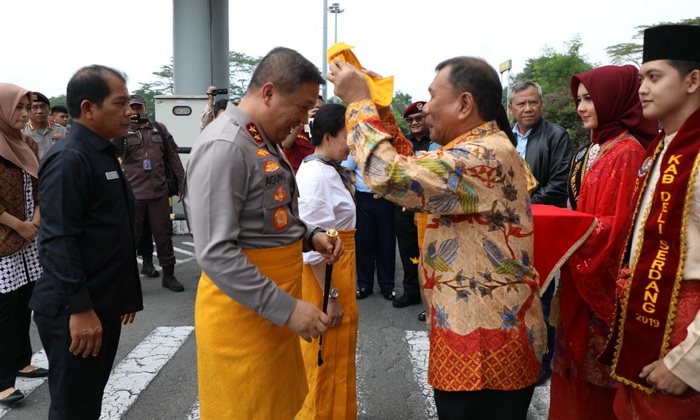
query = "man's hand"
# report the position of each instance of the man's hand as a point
(663, 380)
(211, 97)
(335, 313)
(330, 251)
(350, 83)
(85, 334)
(128, 318)
(307, 321)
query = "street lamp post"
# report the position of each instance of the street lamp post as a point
(335, 9)
(324, 60)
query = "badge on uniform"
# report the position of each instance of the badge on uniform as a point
(262, 152)
(646, 166)
(147, 165)
(281, 218)
(280, 194)
(271, 166)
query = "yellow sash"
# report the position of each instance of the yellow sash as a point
(332, 390)
(249, 368)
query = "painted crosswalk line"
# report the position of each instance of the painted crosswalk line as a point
(193, 414)
(419, 348)
(133, 374)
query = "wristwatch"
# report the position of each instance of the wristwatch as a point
(333, 293)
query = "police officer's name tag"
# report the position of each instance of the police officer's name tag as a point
(111, 175)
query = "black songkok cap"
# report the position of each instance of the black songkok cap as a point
(40, 97)
(672, 42)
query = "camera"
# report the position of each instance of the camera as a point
(141, 118)
(215, 92)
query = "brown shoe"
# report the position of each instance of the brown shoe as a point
(169, 280)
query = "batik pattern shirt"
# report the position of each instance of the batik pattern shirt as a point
(486, 324)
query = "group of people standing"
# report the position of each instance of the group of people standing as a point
(476, 227)
(626, 326)
(73, 264)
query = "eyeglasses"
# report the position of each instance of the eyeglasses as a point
(417, 119)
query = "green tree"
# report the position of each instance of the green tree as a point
(241, 67)
(398, 104)
(553, 70)
(631, 52)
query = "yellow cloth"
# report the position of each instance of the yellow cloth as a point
(249, 368)
(332, 391)
(381, 89)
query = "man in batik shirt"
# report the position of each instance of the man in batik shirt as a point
(487, 333)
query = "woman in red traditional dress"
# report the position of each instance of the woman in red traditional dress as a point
(602, 181)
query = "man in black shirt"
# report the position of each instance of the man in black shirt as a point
(90, 284)
(406, 231)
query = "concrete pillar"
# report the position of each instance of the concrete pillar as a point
(200, 45)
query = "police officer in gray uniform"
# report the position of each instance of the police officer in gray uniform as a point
(44, 132)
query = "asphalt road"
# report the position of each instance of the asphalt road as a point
(155, 373)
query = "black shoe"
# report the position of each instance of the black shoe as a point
(388, 294)
(405, 300)
(545, 374)
(147, 268)
(13, 398)
(363, 292)
(421, 316)
(37, 372)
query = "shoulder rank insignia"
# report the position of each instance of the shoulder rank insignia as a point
(281, 218)
(262, 152)
(255, 133)
(271, 166)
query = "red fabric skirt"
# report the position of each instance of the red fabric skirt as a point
(632, 404)
(574, 399)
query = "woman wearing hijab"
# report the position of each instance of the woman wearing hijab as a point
(19, 227)
(326, 200)
(603, 177)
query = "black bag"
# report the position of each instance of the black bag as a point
(170, 178)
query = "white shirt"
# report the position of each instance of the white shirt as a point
(323, 201)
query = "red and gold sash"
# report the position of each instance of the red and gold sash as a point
(648, 307)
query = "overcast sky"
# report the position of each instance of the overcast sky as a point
(45, 42)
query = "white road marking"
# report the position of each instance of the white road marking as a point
(194, 411)
(188, 243)
(419, 347)
(139, 367)
(183, 251)
(359, 379)
(28, 385)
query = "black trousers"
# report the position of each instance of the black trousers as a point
(158, 213)
(145, 245)
(407, 238)
(375, 241)
(76, 384)
(487, 404)
(15, 345)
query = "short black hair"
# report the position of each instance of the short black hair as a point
(287, 69)
(90, 83)
(58, 108)
(684, 66)
(329, 118)
(474, 75)
(220, 105)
